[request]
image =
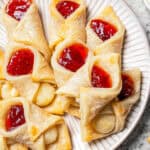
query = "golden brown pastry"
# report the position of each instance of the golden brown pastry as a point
(98, 123)
(67, 20)
(25, 123)
(105, 32)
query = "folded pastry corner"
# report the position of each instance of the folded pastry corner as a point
(105, 32)
(67, 20)
(3, 143)
(25, 123)
(99, 123)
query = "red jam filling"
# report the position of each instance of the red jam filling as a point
(127, 87)
(15, 117)
(73, 57)
(100, 78)
(103, 29)
(17, 8)
(21, 62)
(66, 8)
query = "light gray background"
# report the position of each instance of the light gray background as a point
(138, 138)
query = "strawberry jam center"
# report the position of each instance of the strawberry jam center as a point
(100, 78)
(15, 117)
(127, 87)
(73, 57)
(66, 8)
(103, 29)
(21, 62)
(17, 8)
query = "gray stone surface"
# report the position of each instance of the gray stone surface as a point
(138, 138)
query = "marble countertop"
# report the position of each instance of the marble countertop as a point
(138, 138)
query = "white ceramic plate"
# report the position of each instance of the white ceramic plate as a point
(135, 54)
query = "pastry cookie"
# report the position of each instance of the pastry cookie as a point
(59, 105)
(7, 89)
(36, 128)
(41, 94)
(105, 32)
(24, 25)
(73, 109)
(101, 74)
(22, 60)
(69, 56)
(15, 146)
(67, 20)
(112, 118)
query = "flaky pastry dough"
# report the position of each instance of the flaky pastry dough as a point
(27, 31)
(114, 44)
(72, 27)
(38, 128)
(112, 118)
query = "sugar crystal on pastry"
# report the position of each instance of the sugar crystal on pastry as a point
(105, 32)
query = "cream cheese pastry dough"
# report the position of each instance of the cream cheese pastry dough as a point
(41, 71)
(40, 130)
(28, 30)
(82, 78)
(61, 73)
(104, 23)
(71, 26)
(112, 118)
